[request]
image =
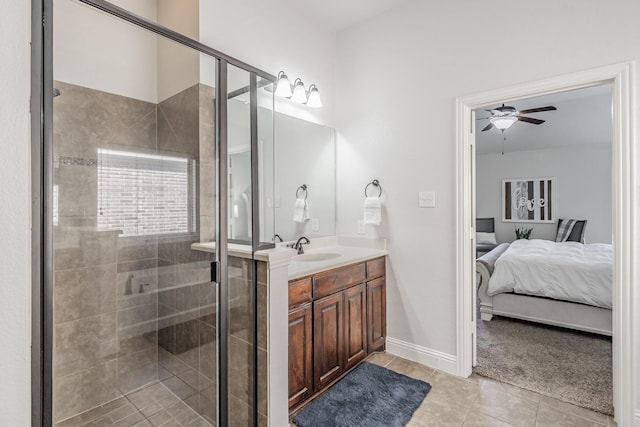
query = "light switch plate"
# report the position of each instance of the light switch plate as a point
(361, 229)
(315, 224)
(427, 199)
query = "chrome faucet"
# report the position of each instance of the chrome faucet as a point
(299, 243)
(277, 236)
(127, 286)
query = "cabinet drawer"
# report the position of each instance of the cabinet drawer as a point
(375, 268)
(337, 280)
(299, 292)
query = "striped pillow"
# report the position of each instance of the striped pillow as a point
(565, 227)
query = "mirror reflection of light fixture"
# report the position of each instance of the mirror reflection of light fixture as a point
(283, 87)
(503, 123)
(314, 100)
(299, 92)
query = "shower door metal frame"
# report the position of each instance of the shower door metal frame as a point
(41, 104)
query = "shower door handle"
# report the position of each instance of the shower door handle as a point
(215, 277)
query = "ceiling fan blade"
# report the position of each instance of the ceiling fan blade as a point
(530, 120)
(489, 126)
(537, 110)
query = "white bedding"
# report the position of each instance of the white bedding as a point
(567, 271)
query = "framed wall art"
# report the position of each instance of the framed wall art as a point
(528, 200)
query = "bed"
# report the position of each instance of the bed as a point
(566, 284)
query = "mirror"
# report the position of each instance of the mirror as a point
(303, 154)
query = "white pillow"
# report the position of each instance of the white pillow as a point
(489, 238)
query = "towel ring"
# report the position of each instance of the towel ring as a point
(375, 183)
(303, 187)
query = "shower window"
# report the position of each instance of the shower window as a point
(145, 194)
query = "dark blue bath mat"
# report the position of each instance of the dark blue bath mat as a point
(369, 396)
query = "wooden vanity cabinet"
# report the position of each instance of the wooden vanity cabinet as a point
(376, 314)
(336, 318)
(300, 341)
(300, 354)
(355, 321)
(328, 339)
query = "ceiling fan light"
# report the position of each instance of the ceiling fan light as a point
(503, 123)
(299, 92)
(314, 100)
(283, 87)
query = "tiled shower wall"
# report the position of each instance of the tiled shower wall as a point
(109, 291)
(93, 362)
(130, 311)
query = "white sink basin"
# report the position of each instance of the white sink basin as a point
(318, 256)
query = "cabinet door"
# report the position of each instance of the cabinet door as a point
(355, 324)
(328, 335)
(300, 356)
(376, 314)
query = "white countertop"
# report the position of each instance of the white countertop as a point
(350, 250)
(348, 255)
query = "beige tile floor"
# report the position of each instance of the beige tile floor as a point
(481, 402)
(452, 401)
(151, 406)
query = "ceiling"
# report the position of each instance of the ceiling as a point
(583, 116)
(340, 14)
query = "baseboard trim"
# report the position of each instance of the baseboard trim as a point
(417, 353)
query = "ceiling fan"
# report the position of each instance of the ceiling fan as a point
(503, 117)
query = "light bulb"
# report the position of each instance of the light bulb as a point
(314, 100)
(503, 123)
(283, 87)
(299, 92)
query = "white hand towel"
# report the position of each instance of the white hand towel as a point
(372, 210)
(305, 215)
(298, 210)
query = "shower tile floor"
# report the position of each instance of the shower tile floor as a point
(154, 405)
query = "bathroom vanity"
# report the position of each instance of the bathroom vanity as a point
(335, 299)
(337, 316)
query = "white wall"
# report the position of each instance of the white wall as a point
(271, 37)
(399, 75)
(15, 210)
(96, 50)
(582, 188)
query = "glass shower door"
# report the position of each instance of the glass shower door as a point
(249, 162)
(134, 186)
(156, 295)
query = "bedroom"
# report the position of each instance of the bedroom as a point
(569, 155)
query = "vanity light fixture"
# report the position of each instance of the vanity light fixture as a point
(299, 92)
(296, 92)
(313, 99)
(503, 123)
(283, 87)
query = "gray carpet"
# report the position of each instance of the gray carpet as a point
(570, 366)
(369, 396)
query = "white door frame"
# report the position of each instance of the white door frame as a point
(624, 244)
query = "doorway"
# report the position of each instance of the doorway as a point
(558, 159)
(619, 76)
